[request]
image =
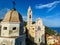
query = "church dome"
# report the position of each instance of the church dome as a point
(12, 16)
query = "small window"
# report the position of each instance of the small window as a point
(5, 28)
(30, 16)
(14, 28)
(33, 28)
(0, 28)
(3, 44)
(38, 28)
(39, 39)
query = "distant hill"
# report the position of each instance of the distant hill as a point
(56, 28)
(51, 31)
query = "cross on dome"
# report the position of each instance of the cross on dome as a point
(14, 5)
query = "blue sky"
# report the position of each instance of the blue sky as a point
(48, 10)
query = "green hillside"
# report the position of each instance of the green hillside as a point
(49, 31)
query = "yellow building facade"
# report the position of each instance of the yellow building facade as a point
(36, 31)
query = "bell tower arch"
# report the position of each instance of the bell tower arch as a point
(29, 16)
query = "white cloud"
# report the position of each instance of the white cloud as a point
(50, 6)
(51, 9)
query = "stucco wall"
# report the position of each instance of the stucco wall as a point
(9, 31)
(7, 41)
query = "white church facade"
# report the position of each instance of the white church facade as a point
(37, 30)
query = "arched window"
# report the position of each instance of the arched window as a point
(39, 28)
(5, 28)
(0, 27)
(14, 28)
(39, 39)
(29, 16)
(3, 44)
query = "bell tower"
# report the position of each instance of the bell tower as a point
(29, 16)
